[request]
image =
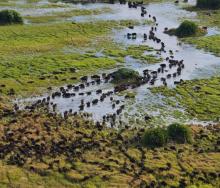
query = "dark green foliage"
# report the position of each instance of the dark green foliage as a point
(155, 137)
(8, 17)
(187, 28)
(158, 137)
(125, 74)
(211, 4)
(179, 133)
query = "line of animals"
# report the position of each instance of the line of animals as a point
(149, 77)
(152, 76)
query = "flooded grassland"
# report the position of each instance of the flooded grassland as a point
(65, 123)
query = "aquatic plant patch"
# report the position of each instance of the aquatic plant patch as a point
(200, 98)
(209, 43)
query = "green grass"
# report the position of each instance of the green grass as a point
(136, 52)
(18, 73)
(31, 52)
(39, 39)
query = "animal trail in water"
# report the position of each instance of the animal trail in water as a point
(90, 96)
(152, 36)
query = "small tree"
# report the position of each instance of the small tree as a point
(155, 137)
(8, 17)
(211, 4)
(179, 133)
(125, 74)
(187, 28)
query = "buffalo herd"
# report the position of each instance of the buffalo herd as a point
(149, 78)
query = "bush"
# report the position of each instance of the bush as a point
(179, 133)
(155, 137)
(187, 28)
(8, 17)
(125, 74)
(212, 4)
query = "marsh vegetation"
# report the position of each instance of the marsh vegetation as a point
(8, 17)
(187, 29)
(208, 4)
(97, 95)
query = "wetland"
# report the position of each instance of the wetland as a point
(81, 84)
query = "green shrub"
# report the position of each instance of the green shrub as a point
(211, 4)
(179, 133)
(125, 74)
(8, 17)
(155, 137)
(187, 28)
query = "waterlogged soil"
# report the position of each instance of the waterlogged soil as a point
(198, 64)
(200, 97)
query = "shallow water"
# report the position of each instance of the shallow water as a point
(168, 15)
(120, 12)
(198, 64)
(44, 7)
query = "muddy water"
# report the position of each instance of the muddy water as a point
(198, 64)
